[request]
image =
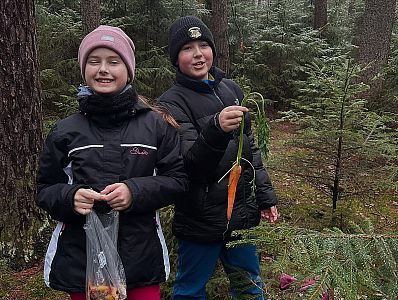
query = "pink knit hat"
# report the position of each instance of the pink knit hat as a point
(108, 37)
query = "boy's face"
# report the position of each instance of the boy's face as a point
(195, 59)
(105, 71)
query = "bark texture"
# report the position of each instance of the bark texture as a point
(220, 33)
(91, 15)
(20, 130)
(320, 13)
(373, 39)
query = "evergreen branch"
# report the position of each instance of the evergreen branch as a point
(351, 265)
(318, 289)
(350, 236)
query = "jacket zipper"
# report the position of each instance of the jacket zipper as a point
(218, 98)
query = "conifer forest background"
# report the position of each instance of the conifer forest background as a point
(328, 70)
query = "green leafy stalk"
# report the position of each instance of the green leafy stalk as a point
(261, 122)
(241, 127)
(262, 128)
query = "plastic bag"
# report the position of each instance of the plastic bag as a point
(105, 277)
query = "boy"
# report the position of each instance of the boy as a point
(206, 106)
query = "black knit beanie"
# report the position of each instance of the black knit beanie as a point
(187, 29)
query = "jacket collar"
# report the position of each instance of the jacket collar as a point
(198, 85)
(115, 119)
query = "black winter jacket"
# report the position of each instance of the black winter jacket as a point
(208, 154)
(138, 148)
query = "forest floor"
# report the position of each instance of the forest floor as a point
(305, 206)
(299, 205)
(26, 285)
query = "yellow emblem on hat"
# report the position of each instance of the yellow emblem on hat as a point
(194, 32)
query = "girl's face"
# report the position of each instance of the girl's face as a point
(105, 71)
(195, 59)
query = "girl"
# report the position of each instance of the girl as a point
(105, 157)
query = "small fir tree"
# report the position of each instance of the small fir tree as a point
(342, 146)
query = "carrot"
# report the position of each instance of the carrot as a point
(232, 183)
(236, 169)
(234, 174)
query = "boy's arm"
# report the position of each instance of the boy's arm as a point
(202, 151)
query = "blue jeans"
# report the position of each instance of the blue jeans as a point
(196, 264)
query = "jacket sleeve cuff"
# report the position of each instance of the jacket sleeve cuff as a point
(134, 190)
(267, 200)
(214, 136)
(216, 121)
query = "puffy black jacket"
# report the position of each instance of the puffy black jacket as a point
(139, 149)
(208, 154)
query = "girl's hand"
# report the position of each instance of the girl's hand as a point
(117, 195)
(270, 214)
(230, 117)
(84, 200)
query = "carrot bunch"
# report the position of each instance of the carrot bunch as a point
(235, 171)
(234, 176)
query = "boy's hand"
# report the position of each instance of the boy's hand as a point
(270, 214)
(117, 195)
(84, 200)
(230, 117)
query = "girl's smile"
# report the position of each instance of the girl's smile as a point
(105, 71)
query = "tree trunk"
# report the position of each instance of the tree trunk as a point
(339, 152)
(153, 8)
(91, 16)
(373, 39)
(220, 33)
(320, 14)
(20, 130)
(351, 8)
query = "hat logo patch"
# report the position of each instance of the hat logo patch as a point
(107, 38)
(194, 32)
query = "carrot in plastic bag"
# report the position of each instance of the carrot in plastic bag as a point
(232, 184)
